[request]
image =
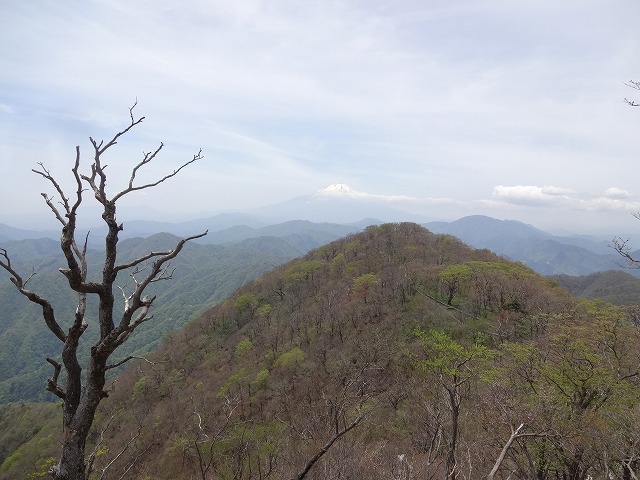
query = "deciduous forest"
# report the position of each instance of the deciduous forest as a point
(394, 353)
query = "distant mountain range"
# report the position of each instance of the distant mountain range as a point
(338, 210)
(241, 246)
(545, 253)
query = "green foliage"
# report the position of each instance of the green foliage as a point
(250, 447)
(264, 310)
(139, 388)
(29, 434)
(204, 275)
(42, 469)
(458, 272)
(338, 263)
(454, 279)
(261, 378)
(578, 378)
(246, 301)
(235, 381)
(363, 284)
(243, 347)
(291, 359)
(366, 281)
(446, 356)
(301, 271)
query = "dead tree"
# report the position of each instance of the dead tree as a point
(82, 393)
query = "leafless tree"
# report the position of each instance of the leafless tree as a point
(347, 409)
(620, 245)
(516, 433)
(635, 85)
(82, 393)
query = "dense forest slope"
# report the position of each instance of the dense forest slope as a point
(614, 286)
(202, 276)
(401, 354)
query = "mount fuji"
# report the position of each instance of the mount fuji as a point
(339, 203)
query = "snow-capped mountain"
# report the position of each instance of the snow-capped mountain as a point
(337, 190)
(339, 203)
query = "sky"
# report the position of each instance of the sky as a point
(512, 109)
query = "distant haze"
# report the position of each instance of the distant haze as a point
(441, 109)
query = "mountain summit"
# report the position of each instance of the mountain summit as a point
(335, 190)
(339, 203)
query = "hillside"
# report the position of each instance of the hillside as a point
(203, 275)
(545, 253)
(614, 286)
(207, 272)
(412, 351)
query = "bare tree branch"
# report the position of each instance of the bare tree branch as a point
(635, 85)
(125, 360)
(135, 301)
(133, 462)
(325, 448)
(148, 157)
(47, 309)
(629, 470)
(120, 453)
(52, 383)
(138, 261)
(115, 138)
(622, 247)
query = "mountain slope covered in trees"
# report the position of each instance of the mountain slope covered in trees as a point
(202, 276)
(614, 286)
(393, 353)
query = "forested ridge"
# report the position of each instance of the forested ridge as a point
(401, 353)
(202, 276)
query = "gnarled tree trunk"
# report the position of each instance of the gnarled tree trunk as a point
(81, 400)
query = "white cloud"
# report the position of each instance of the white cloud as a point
(615, 199)
(530, 194)
(607, 204)
(551, 190)
(617, 193)
(344, 190)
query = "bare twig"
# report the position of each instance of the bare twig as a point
(52, 383)
(120, 453)
(147, 158)
(325, 448)
(125, 360)
(635, 85)
(622, 247)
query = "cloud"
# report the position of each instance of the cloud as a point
(408, 99)
(617, 193)
(344, 190)
(614, 199)
(530, 194)
(609, 204)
